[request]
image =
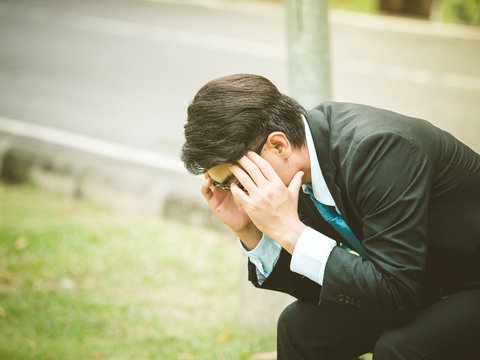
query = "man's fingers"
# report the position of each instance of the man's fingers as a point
(206, 190)
(296, 183)
(264, 166)
(253, 171)
(244, 178)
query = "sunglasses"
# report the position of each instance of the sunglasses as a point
(228, 187)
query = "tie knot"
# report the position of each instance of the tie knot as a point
(307, 189)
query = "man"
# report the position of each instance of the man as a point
(370, 218)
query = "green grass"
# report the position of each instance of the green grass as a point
(369, 6)
(77, 282)
(461, 11)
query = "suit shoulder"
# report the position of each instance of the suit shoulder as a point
(356, 121)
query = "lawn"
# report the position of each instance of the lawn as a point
(78, 282)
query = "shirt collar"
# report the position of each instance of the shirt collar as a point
(318, 185)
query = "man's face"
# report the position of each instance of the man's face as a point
(222, 176)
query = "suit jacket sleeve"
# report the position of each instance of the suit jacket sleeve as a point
(388, 180)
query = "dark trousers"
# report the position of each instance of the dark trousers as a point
(447, 329)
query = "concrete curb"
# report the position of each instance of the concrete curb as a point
(121, 185)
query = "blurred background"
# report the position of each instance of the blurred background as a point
(93, 98)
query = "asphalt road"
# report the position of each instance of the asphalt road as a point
(125, 70)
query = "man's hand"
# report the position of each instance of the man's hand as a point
(234, 216)
(270, 204)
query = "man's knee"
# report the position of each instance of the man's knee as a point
(392, 345)
(298, 323)
(295, 332)
(288, 317)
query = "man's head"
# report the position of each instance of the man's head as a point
(234, 114)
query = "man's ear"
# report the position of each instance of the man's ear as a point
(278, 143)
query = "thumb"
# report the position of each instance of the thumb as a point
(295, 184)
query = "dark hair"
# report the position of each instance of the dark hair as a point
(234, 114)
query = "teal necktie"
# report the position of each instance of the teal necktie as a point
(330, 215)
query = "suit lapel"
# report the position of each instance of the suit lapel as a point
(321, 132)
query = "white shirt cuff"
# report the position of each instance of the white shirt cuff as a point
(265, 255)
(311, 254)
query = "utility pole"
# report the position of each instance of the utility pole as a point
(308, 43)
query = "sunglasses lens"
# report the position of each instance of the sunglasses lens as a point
(227, 187)
(221, 186)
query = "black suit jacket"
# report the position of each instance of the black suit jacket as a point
(411, 194)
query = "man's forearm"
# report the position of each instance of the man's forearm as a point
(250, 236)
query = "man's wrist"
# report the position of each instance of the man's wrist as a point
(250, 236)
(288, 238)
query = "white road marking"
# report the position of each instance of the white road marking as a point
(216, 42)
(92, 145)
(106, 26)
(263, 8)
(461, 81)
(409, 74)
